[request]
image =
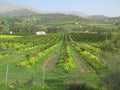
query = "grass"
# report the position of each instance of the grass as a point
(9, 36)
(105, 26)
(55, 77)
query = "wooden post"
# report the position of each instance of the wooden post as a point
(106, 37)
(43, 78)
(6, 76)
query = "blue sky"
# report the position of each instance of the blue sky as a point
(92, 7)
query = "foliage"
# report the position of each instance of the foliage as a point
(27, 54)
(112, 45)
(66, 60)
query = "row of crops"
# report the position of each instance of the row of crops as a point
(66, 60)
(27, 52)
(90, 37)
(27, 43)
(89, 52)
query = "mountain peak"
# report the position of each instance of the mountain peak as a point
(6, 7)
(76, 13)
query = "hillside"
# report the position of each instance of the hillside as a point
(97, 17)
(21, 12)
(13, 9)
(75, 13)
(113, 20)
(104, 19)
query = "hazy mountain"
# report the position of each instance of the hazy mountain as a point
(8, 8)
(20, 12)
(13, 9)
(113, 20)
(97, 17)
(74, 13)
(102, 18)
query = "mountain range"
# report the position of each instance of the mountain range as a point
(9, 8)
(16, 9)
(13, 9)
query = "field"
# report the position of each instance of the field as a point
(75, 53)
(52, 62)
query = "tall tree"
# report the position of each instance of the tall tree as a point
(1, 29)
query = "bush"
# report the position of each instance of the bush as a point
(113, 45)
(112, 80)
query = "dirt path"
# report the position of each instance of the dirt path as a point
(51, 61)
(77, 60)
(82, 65)
(79, 65)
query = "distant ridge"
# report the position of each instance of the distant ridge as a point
(8, 8)
(76, 13)
(97, 17)
(16, 9)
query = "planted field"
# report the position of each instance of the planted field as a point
(51, 62)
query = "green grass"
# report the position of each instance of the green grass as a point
(55, 77)
(9, 36)
(105, 26)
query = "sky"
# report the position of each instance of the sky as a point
(91, 7)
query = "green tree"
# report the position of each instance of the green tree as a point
(1, 29)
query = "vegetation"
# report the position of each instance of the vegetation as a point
(75, 54)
